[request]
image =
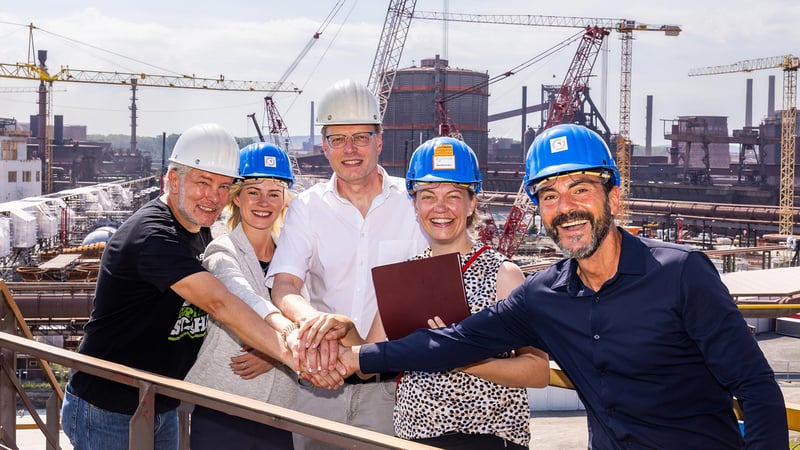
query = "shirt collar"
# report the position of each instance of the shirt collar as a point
(386, 185)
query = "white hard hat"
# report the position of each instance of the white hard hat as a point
(348, 103)
(208, 147)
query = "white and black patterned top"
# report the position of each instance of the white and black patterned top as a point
(431, 404)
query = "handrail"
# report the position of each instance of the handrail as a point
(315, 427)
(151, 384)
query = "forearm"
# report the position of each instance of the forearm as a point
(254, 331)
(205, 291)
(286, 296)
(523, 370)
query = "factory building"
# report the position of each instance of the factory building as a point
(413, 114)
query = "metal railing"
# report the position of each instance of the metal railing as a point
(149, 384)
(141, 429)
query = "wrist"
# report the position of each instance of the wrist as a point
(286, 331)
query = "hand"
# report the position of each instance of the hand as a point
(320, 334)
(310, 371)
(436, 322)
(348, 360)
(251, 363)
(322, 378)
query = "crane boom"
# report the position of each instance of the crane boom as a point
(749, 65)
(789, 64)
(28, 71)
(622, 25)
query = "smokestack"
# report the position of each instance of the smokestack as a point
(34, 126)
(524, 120)
(771, 97)
(648, 131)
(41, 136)
(748, 104)
(133, 116)
(58, 130)
(311, 127)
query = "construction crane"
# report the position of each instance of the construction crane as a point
(789, 64)
(33, 71)
(568, 98)
(390, 49)
(277, 132)
(626, 28)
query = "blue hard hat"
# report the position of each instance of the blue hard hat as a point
(443, 160)
(265, 160)
(564, 149)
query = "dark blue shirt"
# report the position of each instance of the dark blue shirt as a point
(656, 355)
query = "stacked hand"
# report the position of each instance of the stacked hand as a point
(316, 349)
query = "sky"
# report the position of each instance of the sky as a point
(259, 41)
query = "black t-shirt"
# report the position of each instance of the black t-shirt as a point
(137, 320)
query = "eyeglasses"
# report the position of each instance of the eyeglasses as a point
(340, 140)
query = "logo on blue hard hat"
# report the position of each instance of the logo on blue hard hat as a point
(558, 144)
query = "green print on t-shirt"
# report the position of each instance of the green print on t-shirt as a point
(192, 322)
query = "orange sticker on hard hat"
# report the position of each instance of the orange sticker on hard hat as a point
(443, 157)
(558, 144)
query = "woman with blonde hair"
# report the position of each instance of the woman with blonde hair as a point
(240, 259)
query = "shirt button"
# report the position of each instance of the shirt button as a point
(596, 337)
(597, 299)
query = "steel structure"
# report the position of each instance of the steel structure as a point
(568, 98)
(390, 49)
(625, 27)
(789, 64)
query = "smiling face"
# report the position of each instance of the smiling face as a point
(443, 210)
(577, 213)
(196, 197)
(353, 164)
(260, 203)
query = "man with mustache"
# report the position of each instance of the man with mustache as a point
(646, 331)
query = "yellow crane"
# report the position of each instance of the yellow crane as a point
(789, 64)
(32, 71)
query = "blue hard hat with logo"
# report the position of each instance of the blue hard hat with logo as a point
(265, 160)
(563, 149)
(444, 160)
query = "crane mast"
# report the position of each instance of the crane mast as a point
(390, 49)
(789, 64)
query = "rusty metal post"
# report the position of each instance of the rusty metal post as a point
(142, 429)
(53, 420)
(8, 404)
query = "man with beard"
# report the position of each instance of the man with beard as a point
(646, 331)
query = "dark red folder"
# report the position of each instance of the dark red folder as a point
(411, 292)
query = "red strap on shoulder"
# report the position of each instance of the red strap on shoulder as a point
(473, 258)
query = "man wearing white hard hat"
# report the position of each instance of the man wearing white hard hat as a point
(153, 297)
(335, 232)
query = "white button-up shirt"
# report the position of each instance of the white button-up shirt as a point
(328, 244)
